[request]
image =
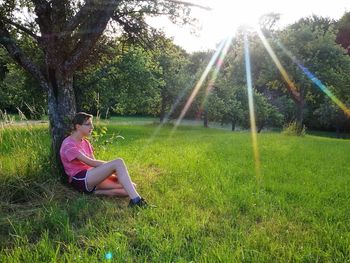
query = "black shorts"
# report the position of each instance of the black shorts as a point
(79, 182)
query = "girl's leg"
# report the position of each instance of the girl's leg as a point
(98, 174)
(111, 182)
(111, 187)
(112, 192)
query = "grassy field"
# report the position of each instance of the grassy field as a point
(211, 206)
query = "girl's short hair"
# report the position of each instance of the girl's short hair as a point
(80, 118)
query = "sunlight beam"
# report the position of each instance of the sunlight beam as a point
(216, 71)
(251, 107)
(199, 84)
(291, 85)
(168, 114)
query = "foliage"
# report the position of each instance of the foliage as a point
(343, 34)
(229, 104)
(331, 116)
(20, 91)
(286, 107)
(127, 84)
(143, 72)
(196, 66)
(265, 113)
(174, 62)
(225, 105)
(312, 42)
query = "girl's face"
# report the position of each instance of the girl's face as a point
(86, 128)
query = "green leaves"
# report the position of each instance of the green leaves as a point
(128, 84)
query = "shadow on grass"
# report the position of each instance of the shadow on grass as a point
(32, 207)
(35, 204)
(326, 134)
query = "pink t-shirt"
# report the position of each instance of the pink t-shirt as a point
(70, 150)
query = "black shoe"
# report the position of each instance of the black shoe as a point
(142, 203)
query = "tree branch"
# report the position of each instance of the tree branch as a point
(22, 28)
(79, 17)
(189, 4)
(91, 31)
(16, 53)
(59, 14)
(141, 12)
(43, 12)
(133, 29)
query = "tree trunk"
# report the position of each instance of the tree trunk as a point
(233, 125)
(337, 130)
(162, 111)
(300, 115)
(222, 122)
(300, 109)
(260, 125)
(62, 108)
(205, 118)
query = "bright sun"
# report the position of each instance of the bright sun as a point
(226, 16)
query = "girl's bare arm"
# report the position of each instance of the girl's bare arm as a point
(89, 161)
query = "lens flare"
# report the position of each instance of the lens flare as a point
(178, 100)
(251, 106)
(291, 85)
(221, 53)
(167, 116)
(316, 81)
(198, 85)
(215, 73)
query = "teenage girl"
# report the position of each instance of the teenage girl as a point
(86, 174)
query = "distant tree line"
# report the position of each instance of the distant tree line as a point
(127, 77)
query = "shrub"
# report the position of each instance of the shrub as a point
(294, 129)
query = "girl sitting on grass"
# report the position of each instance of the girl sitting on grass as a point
(86, 174)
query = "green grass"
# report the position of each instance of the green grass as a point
(211, 206)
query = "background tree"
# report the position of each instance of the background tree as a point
(343, 34)
(225, 105)
(173, 61)
(331, 116)
(129, 83)
(189, 75)
(265, 113)
(312, 42)
(19, 91)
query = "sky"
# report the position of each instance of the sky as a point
(226, 16)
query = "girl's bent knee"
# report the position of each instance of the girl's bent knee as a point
(119, 162)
